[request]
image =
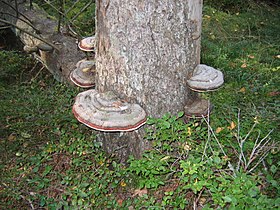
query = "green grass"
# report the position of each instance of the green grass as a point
(245, 47)
(50, 161)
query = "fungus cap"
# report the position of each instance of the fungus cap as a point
(106, 112)
(205, 78)
(87, 44)
(198, 108)
(84, 74)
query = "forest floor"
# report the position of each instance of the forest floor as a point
(51, 161)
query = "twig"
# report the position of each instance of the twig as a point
(16, 7)
(198, 197)
(29, 201)
(240, 141)
(260, 160)
(82, 10)
(59, 12)
(43, 67)
(29, 33)
(259, 144)
(61, 9)
(16, 10)
(257, 150)
(27, 22)
(209, 135)
(5, 27)
(219, 144)
(72, 7)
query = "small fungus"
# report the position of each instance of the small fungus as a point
(84, 74)
(87, 44)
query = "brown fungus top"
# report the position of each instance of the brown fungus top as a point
(106, 112)
(87, 44)
(84, 74)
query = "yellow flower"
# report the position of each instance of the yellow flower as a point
(186, 146)
(189, 131)
(123, 184)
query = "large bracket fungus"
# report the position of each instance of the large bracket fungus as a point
(204, 78)
(106, 112)
(84, 74)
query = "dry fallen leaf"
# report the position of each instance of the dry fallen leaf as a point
(165, 158)
(242, 90)
(219, 129)
(232, 126)
(273, 93)
(251, 56)
(12, 137)
(202, 201)
(244, 65)
(186, 146)
(189, 131)
(120, 201)
(140, 192)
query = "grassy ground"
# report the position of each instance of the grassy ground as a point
(49, 160)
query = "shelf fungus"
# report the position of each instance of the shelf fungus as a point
(205, 78)
(198, 108)
(84, 74)
(87, 44)
(106, 112)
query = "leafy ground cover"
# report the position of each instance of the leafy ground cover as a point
(230, 161)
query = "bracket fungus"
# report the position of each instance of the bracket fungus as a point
(87, 44)
(84, 74)
(198, 108)
(106, 112)
(205, 78)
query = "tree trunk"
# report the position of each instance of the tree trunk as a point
(146, 50)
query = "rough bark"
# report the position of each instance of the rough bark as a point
(146, 50)
(65, 54)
